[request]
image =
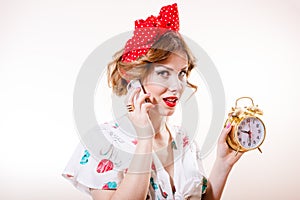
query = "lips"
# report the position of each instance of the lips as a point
(170, 101)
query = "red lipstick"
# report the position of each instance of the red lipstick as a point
(170, 101)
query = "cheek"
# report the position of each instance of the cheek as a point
(182, 88)
(156, 91)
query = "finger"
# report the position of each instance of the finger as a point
(132, 94)
(225, 132)
(142, 99)
(146, 107)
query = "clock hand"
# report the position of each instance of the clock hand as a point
(249, 139)
(250, 136)
(243, 131)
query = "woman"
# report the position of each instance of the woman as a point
(164, 163)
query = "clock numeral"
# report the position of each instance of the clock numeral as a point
(243, 123)
(257, 125)
(240, 127)
(240, 139)
(254, 142)
(238, 133)
(257, 137)
(249, 144)
(248, 120)
(259, 131)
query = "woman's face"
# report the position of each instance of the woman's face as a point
(166, 82)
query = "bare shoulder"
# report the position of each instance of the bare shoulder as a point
(102, 194)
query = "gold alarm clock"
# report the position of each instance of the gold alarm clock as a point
(248, 130)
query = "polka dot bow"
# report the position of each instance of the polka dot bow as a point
(148, 31)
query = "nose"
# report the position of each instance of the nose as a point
(175, 85)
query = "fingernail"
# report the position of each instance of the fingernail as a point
(149, 94)
(228, 125)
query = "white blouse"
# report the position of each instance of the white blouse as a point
(107, 170)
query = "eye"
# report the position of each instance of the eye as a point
(182, 74)
(164, 73)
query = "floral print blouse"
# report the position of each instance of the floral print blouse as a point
(106, 171)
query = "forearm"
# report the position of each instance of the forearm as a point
(135, 184)
(217, 180)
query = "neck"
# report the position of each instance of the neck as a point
(162, 135)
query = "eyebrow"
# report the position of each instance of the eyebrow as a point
(171, 69)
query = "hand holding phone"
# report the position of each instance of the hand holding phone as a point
(139, 116)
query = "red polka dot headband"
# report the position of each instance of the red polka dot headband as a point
(148, 31)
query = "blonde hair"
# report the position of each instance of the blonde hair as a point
(119, 72)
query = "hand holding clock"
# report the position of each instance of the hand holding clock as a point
(247, 121)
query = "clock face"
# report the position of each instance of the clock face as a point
(251, 132)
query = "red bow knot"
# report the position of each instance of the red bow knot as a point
(148, 31)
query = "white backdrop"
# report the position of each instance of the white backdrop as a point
(254, 44)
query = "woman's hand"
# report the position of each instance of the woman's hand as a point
(139, 113)
(225, 154)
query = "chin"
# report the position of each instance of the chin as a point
(162, 111)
